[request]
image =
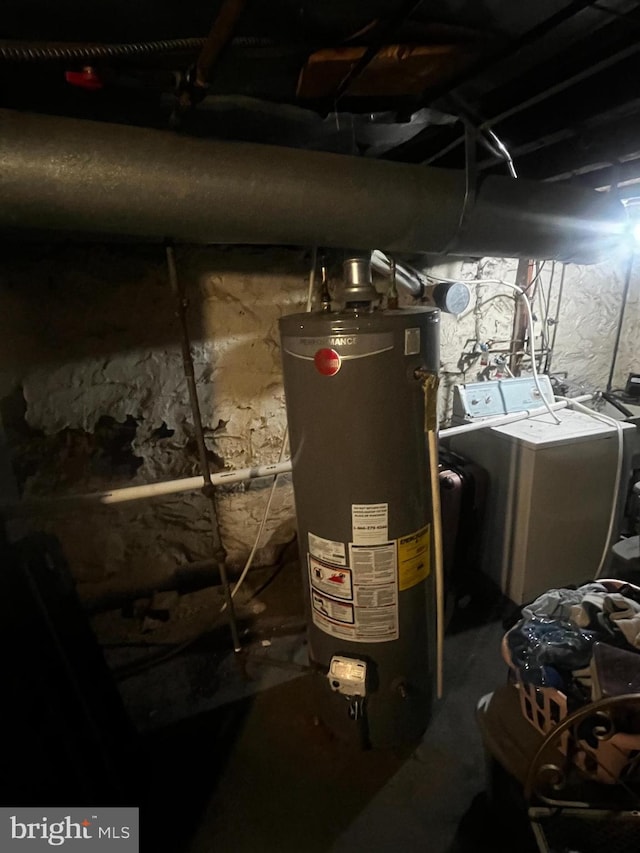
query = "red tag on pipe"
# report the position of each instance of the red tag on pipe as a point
(85, 79)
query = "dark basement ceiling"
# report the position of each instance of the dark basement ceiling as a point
(558, 82)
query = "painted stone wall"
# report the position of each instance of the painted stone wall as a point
(582, 314)
(588, 320)
(93, 397)
(92, 394)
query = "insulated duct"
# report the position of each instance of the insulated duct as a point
(80, 176)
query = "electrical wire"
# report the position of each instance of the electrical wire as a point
(546, 324)
(623, 306)
(502, 148)
(618, 478)
(267, 509)
(265, 516)
(552, 278)
(522, 295)
(543, 335)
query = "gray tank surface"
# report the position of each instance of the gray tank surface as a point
(356, 414)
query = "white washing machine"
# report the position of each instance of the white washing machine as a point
(550, 498)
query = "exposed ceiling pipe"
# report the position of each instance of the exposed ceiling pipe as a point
(29, 51)
(219, 37)
(104, 179)
(195, 84)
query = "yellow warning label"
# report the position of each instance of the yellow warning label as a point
(414, 557)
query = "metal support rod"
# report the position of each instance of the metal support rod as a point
(208, 488)
(556, 319)
(625, 294)
(548, 321)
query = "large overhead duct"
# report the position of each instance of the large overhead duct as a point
(81, 176)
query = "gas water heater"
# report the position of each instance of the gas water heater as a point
(354, 386)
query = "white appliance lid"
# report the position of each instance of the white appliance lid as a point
(542, 431)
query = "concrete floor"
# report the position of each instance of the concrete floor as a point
(227, 757)
(234, 760)
(250, 770)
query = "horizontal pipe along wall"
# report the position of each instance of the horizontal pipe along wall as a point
(81, 176)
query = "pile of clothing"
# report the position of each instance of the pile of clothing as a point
(552, 644)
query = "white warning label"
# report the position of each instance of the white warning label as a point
(376, 624)
(375, 596)
(358, 602)
(369, 523)
(374, 566)
(333, 580)
(327, 550)
(375, 591)
(411, 341)
(335, 611)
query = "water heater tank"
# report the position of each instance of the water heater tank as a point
(356, 413)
